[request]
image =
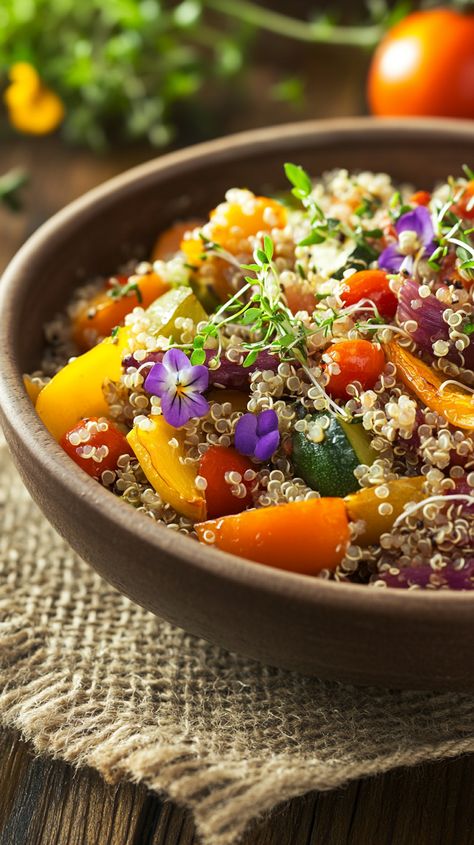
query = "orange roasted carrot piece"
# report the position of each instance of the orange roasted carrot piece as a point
(169, 241)
(103, 312)
(302, 537)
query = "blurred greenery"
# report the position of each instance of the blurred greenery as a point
(11, 184)
(118, 65)
(123, 67)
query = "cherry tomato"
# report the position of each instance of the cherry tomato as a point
(95, 444)
(425, 66)
(373, 285)
(358, 360)
(420, 198)
(214, 465)
(465, 205)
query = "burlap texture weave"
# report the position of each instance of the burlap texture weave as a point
(91, 678)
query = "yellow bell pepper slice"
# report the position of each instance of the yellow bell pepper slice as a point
(456, 406)
(365, 503)
(76, 392)
(33, 390)
(160, 461)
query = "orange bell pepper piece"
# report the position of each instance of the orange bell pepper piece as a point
(103, 312)
(302, 537)
(454, 404)
(230, 222)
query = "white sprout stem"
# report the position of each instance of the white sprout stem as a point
(463, 244)
(461, 497)
(225, 255)
(332, 406)
(377, 326)
(457, 383)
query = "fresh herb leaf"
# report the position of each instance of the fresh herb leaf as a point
(198, 356)
(299, 178)
(468, 171)
(250, 358)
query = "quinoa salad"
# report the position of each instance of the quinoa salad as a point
(289, 380)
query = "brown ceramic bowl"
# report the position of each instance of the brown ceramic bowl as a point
(345, 632)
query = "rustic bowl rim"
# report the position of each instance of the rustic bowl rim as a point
(16, 405)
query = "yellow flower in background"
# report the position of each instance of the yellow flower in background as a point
(32, 107)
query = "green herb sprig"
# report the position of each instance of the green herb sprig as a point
(131, 287)
(11, 184)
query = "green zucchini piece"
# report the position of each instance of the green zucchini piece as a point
(328, 467)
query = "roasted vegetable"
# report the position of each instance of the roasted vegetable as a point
(177, 302)
(231, 222)
(328, 465)
(169, 241)
(160, 452)
(95, 445)
(373, 285)
(302, 537)
(449, 577)
(75, 392)
(365, 504)
(32, 388)
(109, 308)
(456, 405)
(217, 466)
(356, 360)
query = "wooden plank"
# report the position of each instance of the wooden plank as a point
(46, 802)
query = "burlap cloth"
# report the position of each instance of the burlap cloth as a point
(91, 678)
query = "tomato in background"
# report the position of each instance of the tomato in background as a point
(425, 66)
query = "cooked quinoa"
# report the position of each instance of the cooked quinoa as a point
(325, 339)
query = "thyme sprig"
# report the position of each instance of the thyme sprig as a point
(324, 228)
(259, 307)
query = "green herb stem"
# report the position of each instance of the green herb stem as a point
(316, 32)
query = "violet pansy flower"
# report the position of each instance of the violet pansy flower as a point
(415, 232)
(179, 386)
(257, 435)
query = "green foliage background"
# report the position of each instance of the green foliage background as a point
(120, 66)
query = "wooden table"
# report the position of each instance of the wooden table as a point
(43, 802)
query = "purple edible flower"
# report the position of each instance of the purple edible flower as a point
(227, 374)
(257, 435)
(180, 386)
(414, 230)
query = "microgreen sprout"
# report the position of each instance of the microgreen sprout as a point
(322, 227)
(119, 291)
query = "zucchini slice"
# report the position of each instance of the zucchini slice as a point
(328, 466)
